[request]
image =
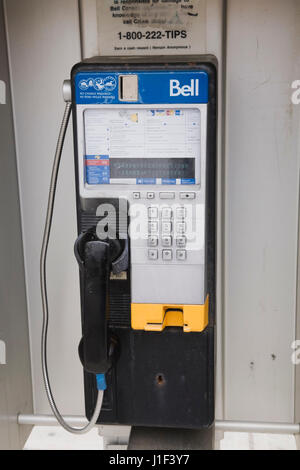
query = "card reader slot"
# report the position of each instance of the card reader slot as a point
(128, 87)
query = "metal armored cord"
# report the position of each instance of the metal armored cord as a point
(47, 230)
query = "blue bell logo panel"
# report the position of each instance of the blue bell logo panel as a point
(153, 87)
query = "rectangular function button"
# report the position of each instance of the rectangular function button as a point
(187, 195)
(167, 255)
(153, 254)
(167, 195)
(150, 195)
(136, 195)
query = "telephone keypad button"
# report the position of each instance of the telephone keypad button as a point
(153, 227)
(167, 255)
(166, 213)
(153, 254)
(166, 227)
(152, 241)
(180, 212)
(181, 241)
(166, 241)
(180, 227)
(181, 255)
(152, 212)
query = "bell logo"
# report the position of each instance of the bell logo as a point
(185, 90)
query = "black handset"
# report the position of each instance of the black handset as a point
(97, 258)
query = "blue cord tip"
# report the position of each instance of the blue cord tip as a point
(101, 382)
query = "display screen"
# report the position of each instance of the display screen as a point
(141, 146)
(164, 168)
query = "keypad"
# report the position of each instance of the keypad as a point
(166, 234)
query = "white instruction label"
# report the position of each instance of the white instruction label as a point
(149, 27)
(143, 133)
(142, 146)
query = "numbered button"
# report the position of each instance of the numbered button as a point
(166, 241)
(153, 227)
(153, 255)
(180, 212)
(181, 255)
(152, 212)
(166, 227)
(166, 213)
(167, 255)
(180, 227)
(152, 241)
(181, 241)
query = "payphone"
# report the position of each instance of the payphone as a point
(145, 155)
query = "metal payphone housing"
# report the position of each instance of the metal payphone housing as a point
(161, 310)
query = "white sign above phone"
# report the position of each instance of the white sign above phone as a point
(151, 27)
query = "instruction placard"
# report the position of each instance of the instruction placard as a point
(141, 146)
(151, 27)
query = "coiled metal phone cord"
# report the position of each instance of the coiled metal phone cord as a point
(47, 230)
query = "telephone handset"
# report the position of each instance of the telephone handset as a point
(97, 259)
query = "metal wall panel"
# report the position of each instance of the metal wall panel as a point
(44, 43)
(262, 184)
(15, 375)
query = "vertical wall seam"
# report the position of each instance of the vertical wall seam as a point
(223, 199)
(297, 307)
